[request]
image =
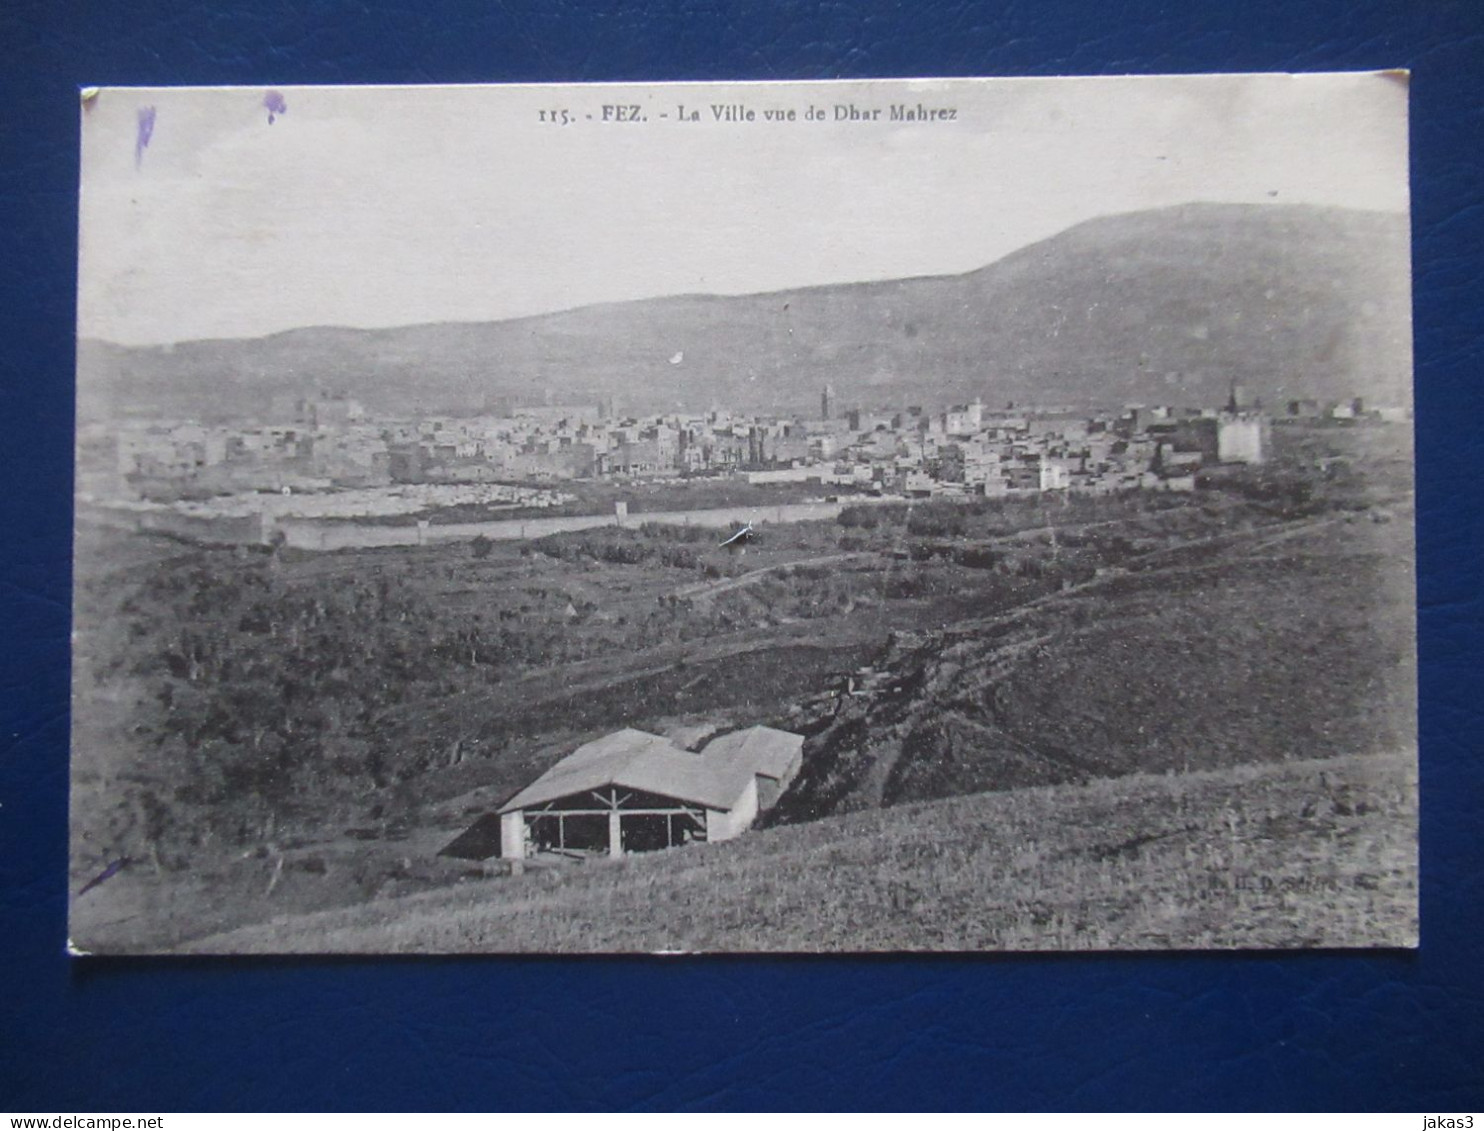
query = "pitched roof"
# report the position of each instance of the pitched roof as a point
(635, 759)
(759, 750)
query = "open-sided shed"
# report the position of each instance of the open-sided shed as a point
(631, 791)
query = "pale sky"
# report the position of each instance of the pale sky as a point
(381, 206)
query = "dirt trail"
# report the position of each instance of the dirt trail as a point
(726, 584)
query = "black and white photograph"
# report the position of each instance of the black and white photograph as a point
(959, 515)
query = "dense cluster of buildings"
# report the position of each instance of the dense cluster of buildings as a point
(331, 442)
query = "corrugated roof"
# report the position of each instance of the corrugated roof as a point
(635, 759)
(762, 750)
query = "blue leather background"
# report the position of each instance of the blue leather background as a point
(1328, 1031)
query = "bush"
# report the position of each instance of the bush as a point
(905, 586)
(859, 517)
(922, 551)
(976, 557)
(669, 532)
(679, 557)
(937, 522)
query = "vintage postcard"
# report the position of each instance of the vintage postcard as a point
(927, 515)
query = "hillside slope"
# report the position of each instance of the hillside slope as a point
(1306, 854)
(1167, 305)
(1265, 645)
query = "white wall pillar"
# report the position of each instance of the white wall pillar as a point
(615, 833)
(513, 835)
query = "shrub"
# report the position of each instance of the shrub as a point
(904, 586)
(976, 557)
(859, 517)
(937, 522)
(679, 557)
(669, 532)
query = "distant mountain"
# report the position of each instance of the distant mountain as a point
(1161, 306)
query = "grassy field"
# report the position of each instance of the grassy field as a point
(1303, 854)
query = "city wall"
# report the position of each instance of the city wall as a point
(326, 534)
(320, 534)
(234, 530)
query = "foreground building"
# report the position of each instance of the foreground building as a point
(631, 791)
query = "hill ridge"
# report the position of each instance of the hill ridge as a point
(1163, 304)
